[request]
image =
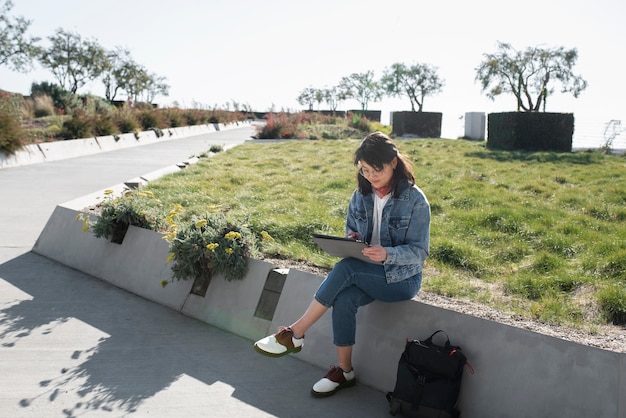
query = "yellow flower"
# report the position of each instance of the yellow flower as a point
(79, 217)
(200, 223)
(170, 258)
(229, 251)
(212, 246)
(266, 237)
(169, 236)
(232, 235)
(85, 228)
(163, 283)
(108, 192)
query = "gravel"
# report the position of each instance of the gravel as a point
(607, 337)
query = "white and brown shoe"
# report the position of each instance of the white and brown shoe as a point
(335, 380)
(279, 344)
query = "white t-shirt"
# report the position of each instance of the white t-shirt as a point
(379, 204)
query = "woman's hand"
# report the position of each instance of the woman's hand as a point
(375, 253)
(353, 235)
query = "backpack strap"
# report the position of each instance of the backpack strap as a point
(429, 340)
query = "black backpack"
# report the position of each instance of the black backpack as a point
(428, 381)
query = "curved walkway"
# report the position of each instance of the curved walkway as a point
(71, 345)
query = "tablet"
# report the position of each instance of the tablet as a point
(342, 247)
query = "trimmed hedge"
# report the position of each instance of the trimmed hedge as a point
(530, 131)
(421, 124)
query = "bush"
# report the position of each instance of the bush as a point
(104, 125)
(208, 245)
(126, 121)
(42, 106)
(59, 96)
(93, 105)
(117, 214)
(149, 118)
(361, 123)
(278, 126)
(79, 126)
(10, 134)
(194, 117)
(175, 118)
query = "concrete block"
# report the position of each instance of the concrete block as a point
(271, 294)
(30, 154)
(296, 295)
(127, 140)
(231, 305)
(59, 150)
(137, 265)
(108, 143)
(147, 137)
(82, 202)
(475, 125)
(156, 174)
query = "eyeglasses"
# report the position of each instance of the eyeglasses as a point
(371, 173)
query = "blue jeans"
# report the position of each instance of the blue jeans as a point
(353, 283)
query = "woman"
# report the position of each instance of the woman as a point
(393, 215)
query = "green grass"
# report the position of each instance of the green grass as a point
(539, 234)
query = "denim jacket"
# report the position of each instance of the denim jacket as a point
(404, 229)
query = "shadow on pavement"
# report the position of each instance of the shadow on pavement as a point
(86, 347)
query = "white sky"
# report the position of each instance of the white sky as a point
(265, 53)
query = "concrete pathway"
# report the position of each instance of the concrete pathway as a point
(74, 346)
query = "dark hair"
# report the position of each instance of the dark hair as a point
(377, 149)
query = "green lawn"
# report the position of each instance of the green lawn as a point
(539, 234)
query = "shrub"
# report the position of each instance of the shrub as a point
(208, 245)
(148, 119)
(10, 134)
(79, 126)
(361, 123)
(278, 126)
(125, 121)
(104, 125)
(193, 117)
(42, 106)
(117, 214)
(175, 117)
(93, 105)
(59, 96)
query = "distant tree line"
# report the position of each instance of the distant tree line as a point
(528, 75)
(75, 61)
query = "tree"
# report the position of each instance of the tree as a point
(116, 71)
(307, 97)
(528, 74)
(16, 50)
(333, 96)
(361, 87)
(416, 81)
(73, 60)
(155, 86)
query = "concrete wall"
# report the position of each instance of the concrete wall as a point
(52, 151)
(518, 373)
